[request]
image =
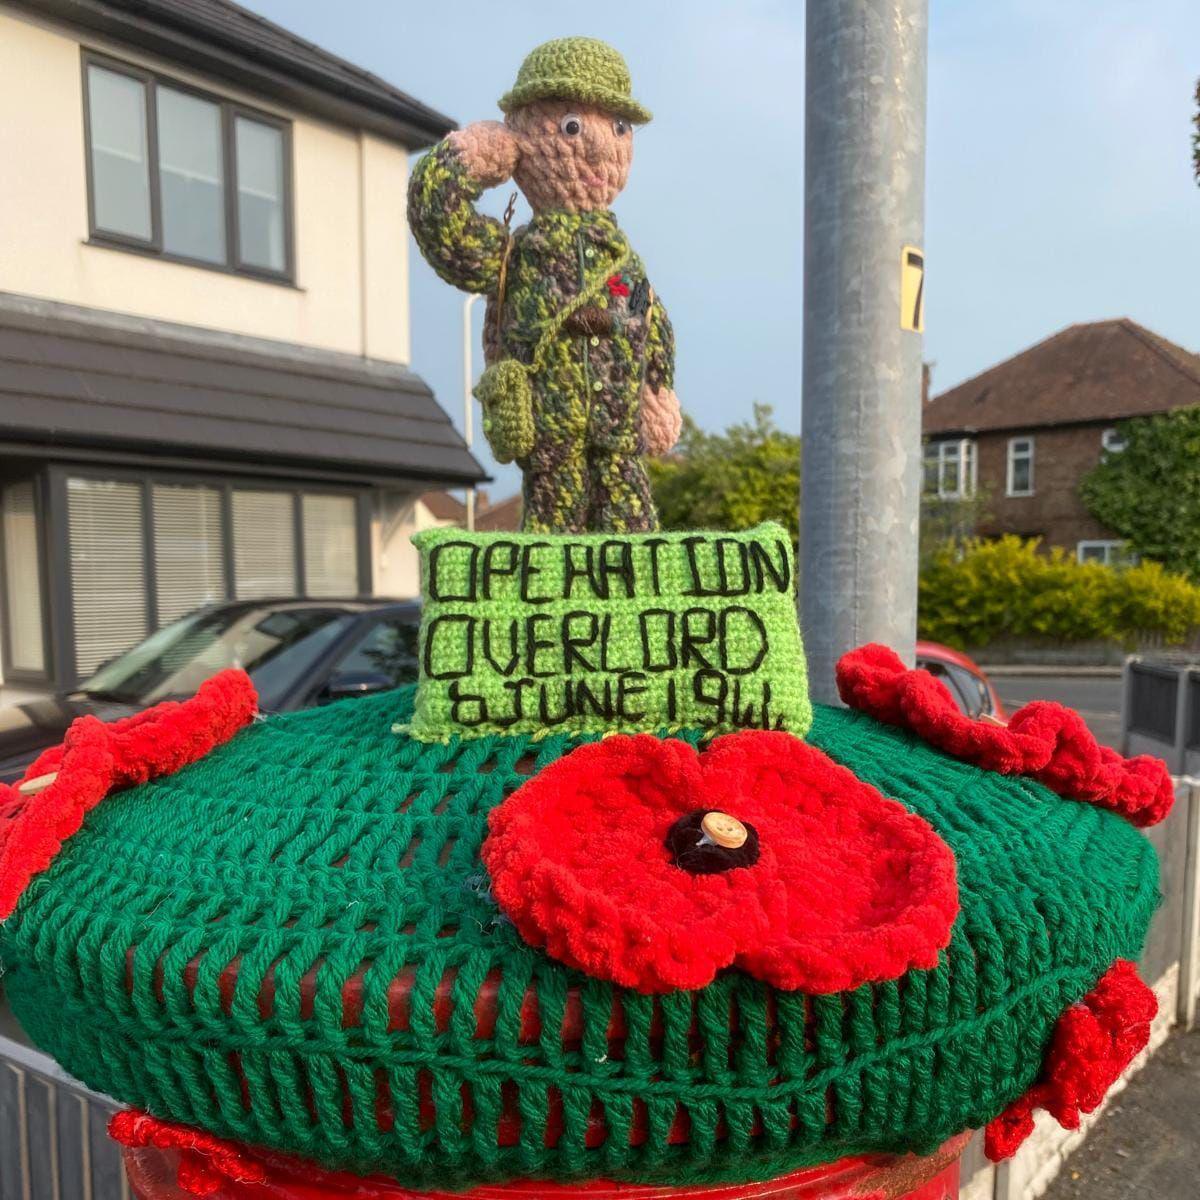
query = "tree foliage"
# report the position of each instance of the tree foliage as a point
(1196, 135)
(1149, 493)
(951, 522)
(730, 480)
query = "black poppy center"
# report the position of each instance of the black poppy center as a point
(691, 850)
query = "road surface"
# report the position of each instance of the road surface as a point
(1097, 698)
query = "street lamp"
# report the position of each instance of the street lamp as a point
(468, 399)
(864, 201)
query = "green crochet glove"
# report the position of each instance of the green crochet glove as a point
(507, 400)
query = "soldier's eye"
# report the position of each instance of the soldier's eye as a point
(621, 127)
(571, 125)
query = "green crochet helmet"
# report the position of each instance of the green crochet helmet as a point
(576, 68)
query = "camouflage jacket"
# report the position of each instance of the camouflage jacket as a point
(589, 383)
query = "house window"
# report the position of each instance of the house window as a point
(23, 581)
(145, 553)
(191, 176)
(189, 549)
(330, 558)
(108, 569)
(950, 469)
(184, 175)
(1111, 554)
(264, 544)
(1112, 441)
(1020, 467)
(262, 200)
(119, 154)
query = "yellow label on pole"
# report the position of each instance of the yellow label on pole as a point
(912, 289)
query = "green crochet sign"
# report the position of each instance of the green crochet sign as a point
(534, 633)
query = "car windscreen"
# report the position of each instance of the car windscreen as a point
(277, 648)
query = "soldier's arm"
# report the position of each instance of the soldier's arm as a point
(461, 244)
(660, 348)
(661, 415)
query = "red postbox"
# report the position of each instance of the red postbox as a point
(153, 1175)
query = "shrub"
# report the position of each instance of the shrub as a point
(973, 595)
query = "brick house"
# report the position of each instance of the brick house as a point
(1024, 433)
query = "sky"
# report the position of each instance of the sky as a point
(1058, 174)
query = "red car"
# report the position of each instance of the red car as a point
(969, 686)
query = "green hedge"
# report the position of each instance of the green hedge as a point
(976, 594)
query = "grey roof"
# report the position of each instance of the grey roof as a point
(143, 387)
(227, 40)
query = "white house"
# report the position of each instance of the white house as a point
(204, 325)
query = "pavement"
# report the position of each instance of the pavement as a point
(1096, 697)
(1146, 1146)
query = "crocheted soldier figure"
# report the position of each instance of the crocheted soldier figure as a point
(580, 351)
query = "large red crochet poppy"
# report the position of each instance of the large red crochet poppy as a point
(97, 758)
(848, 887)
(1046, 741)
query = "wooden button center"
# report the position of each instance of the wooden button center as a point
(39, 783)
(725, 830)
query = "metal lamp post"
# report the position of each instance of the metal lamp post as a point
(864, 197)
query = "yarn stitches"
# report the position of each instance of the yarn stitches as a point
(1046, 741)
(1093, 1042)
(576, 68)
(584, 470)
(580, 351)
(849, 889)
(591, 633)
(300, 952)
(205, 1162)
(96, 759)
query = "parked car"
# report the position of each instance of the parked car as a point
(969, 686)
(301, 653)
(298, 653)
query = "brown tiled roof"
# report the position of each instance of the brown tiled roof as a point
(445, 507)
(504, 517)
(1103, 371)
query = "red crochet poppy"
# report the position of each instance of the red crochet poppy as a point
(1046, 741)
(848, 887)
(617, 285)
(1093, 1042)
(205, 1162)
(95, 759)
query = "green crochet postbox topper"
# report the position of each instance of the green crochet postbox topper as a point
(590, 633)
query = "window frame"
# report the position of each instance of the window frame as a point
(1110, 546)
(15, 675)
(1112, 434)
(363, 628)
(1011, 459)
(230, 110)
(61, 634)
(966, 453)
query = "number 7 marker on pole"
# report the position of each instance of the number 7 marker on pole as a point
(912, 289)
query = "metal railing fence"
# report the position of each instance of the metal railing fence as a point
(53, 1144)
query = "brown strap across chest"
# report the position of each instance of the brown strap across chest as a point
(590, 321)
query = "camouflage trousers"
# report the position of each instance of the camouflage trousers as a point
(578, 487)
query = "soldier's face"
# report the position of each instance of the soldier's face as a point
(573, 156)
